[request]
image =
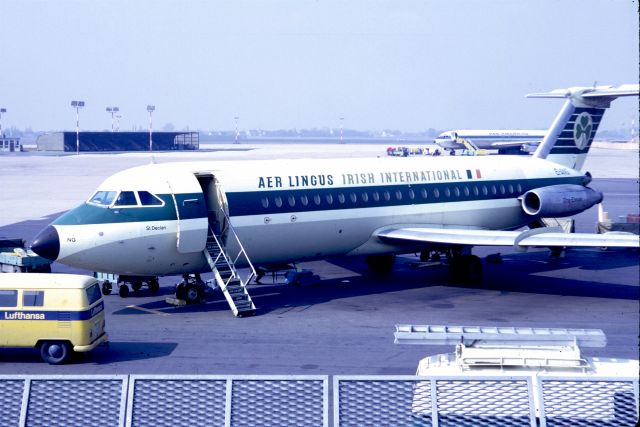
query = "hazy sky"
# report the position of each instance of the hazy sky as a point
(380, 64)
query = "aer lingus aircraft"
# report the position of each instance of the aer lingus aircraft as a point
(191, 217)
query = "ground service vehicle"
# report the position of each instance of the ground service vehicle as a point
(56, 313)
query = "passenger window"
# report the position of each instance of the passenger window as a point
(103, 198)
(265, 202)
(316, 199)
(519, 188)
(436, 193)
(292, 200)
(502, 189)
(353, 197)
(126, 198)
(341, 198)
(424, 193)
(494, 190)
(33, 298)
(304, 200)
(456, 191)
(329, 199)
(8, 298)
(376, 196)
(485, 190)
(510, 189)
(447, 192)
(466, 191)
(148, 199)
(278, 201)
(398, 195)
(365, 197)
(412, 195)
(386, 195)
(93, 293)
(476, 191)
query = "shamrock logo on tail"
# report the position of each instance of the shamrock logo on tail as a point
(582, 130)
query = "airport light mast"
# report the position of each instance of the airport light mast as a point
(236, 119)
(2, 110)
(118, 117)
(77, 105)
(112, 110)
(151, 109)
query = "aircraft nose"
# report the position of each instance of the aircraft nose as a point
(47, 243)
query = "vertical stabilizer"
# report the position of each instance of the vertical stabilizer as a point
(570, 136)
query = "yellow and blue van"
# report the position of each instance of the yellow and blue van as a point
(56, 313)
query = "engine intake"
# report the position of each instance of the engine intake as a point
(559, 200)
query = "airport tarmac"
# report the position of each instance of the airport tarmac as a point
(345, 323)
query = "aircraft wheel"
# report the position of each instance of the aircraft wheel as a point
(154, 286)
(472, 269)
(55, 352)
(180, 290)
(123, 291)
(136, 285)
(106, 287)
(382, 264)
(465, 269)
(191, 294)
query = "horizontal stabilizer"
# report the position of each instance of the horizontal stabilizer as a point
(594, 92)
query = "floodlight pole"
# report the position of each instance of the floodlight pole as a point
(2, 110)
(236, 119)
(150, 109)
(112, 110)
(77, 105)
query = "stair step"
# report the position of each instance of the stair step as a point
(244, 306)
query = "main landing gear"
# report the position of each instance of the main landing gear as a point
(463, 266)
(381, 264)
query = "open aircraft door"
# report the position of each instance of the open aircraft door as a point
(191, 211)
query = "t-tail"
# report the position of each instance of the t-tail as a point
(570, 136)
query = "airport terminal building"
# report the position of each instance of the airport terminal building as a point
(117, 141)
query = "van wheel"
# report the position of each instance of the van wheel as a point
(55, 352)
(106, 287)
(123, 291)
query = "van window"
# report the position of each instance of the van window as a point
(8, 298)
(33, 298)
(93, 293)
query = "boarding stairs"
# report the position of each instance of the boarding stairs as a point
(227, 277)
(470, 146)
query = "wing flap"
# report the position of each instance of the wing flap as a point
(538, 237)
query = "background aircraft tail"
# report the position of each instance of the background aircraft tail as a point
(570, 136)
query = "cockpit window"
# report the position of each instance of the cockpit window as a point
(104, 198)
(148, 199)
(126, 198)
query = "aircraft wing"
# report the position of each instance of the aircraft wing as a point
(545, 236)
(514, 143)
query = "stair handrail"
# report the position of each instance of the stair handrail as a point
(222, 253)
(242, 251)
